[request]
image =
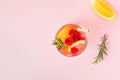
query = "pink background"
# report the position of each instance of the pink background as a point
(27, 28)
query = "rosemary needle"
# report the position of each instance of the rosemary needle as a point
(102, 50)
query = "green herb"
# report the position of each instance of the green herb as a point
(58, 43)
(102, 50)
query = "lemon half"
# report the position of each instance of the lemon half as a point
(103, 9)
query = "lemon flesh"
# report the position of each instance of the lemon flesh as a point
(103, 9)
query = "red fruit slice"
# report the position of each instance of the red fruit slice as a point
(74, 50)
(69, 41)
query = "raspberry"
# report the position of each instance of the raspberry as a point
(74, 50)
(75, 35)
(73, 32)
(82, 38)
(69, 41)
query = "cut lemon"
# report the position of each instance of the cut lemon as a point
(103, 9)
(75, 44)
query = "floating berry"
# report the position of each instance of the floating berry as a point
(75, 35)
(73, 32)
(74, 50)
(82, 38)
(69, 41)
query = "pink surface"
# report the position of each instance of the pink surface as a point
(27, 28)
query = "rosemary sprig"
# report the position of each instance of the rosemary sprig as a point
(58, 43)
(102, 50)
